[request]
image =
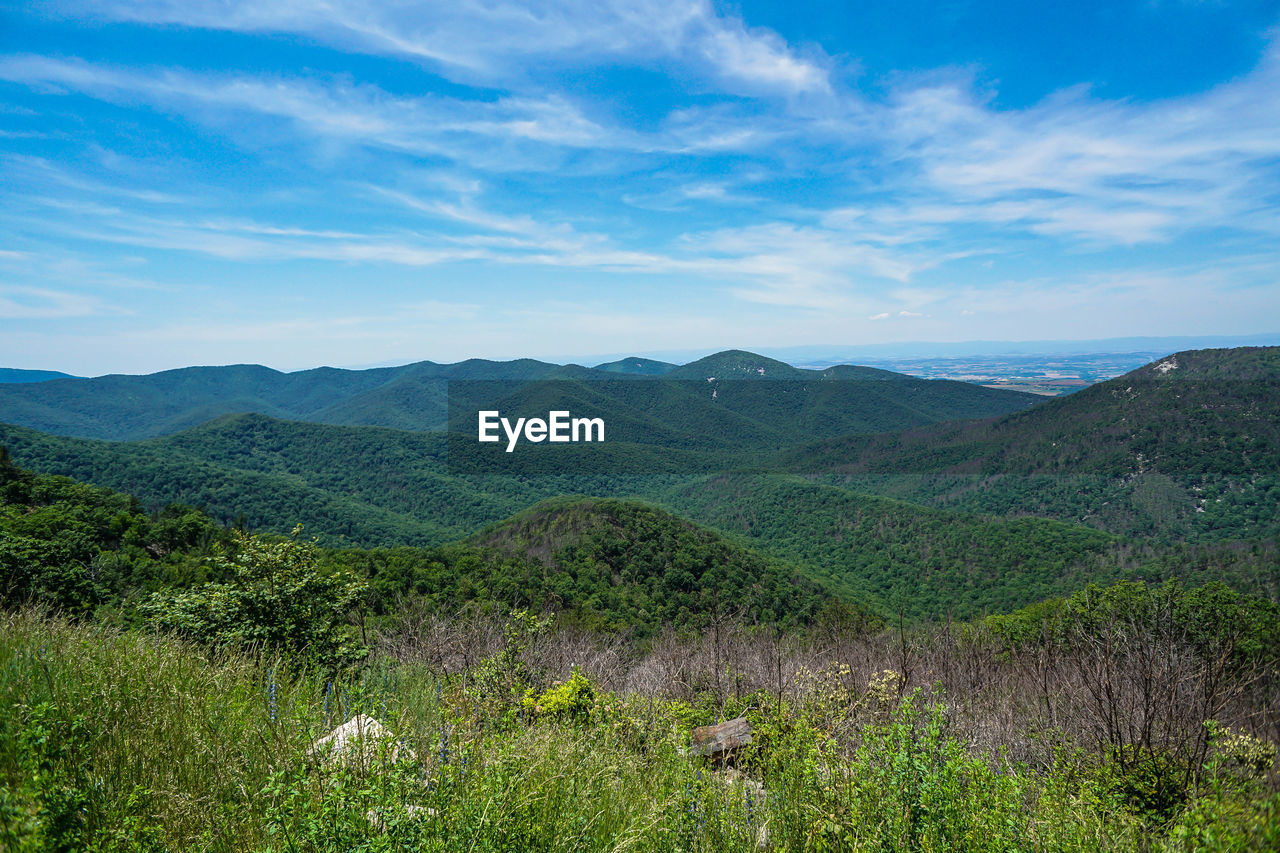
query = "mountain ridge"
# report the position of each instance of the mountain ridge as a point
(18, 375)
(410, 397)
(1170, 449)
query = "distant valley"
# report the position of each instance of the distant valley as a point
(1047, 374)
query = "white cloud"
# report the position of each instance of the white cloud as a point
(1080, 168)
(1072, 168)
(761, 58)
(336, 111)
(444, 35)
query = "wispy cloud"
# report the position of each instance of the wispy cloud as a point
(759, 58)
(566, 32)
(1078, 167)
(761, 174)
(332, 110)
(1073, 167)
(19, 302)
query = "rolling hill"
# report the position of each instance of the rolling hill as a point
(932, 563)
(125, 407)
(648, 565)
(1184, 448)
(264, 494)
(637, 365)
(936, 519)
(367, 487)
(17, 375)
(607, 564)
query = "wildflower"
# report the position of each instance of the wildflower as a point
(272, 689)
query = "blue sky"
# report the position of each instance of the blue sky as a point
(353, 182)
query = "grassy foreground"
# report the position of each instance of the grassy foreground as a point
(116, 740)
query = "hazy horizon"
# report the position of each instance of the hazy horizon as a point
(820, 355)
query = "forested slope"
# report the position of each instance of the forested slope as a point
(606, 564)
(1185, 448)
(931, 564)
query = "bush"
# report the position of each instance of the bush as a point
(1150, 782)
(570, 701)
(1241, 752)
(277, 601)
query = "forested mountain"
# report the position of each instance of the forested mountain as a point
(17, 375)
(637, 365)
(934, 520)
(123, 407)
(348, 485)
(1184, 448)
(628, 558)
(416, 396)
(607, 564)
(739, 364)
(930, 563)
(371, 487)
(79, 548)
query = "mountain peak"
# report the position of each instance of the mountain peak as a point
(737, 364)
(1236, 364)
(637, 365)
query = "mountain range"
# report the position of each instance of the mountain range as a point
(932, 497)
(416, 397)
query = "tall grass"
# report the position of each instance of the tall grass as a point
(127, 741)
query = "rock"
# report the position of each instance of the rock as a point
(721, 740)
(360, 741)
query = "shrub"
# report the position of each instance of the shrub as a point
(570, 701)
(1242, 752)
(277, 601)
(1149, 781)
